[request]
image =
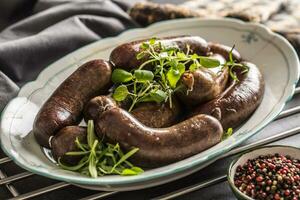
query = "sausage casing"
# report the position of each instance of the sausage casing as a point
(150, 114)
(124, 56)
(64, 107)
(159, 146)
(203, 84)
(238, 101)
(64, 141)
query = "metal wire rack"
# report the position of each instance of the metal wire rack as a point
(13, 180)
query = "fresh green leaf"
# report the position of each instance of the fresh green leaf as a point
(140, 55)
(227, 134)
(233, 74)
(157, 96)
(152, 41)
(71, 168)
(92, 167)
(181, 55)
(121, 76)
(181, 68)
(77, 153)
(143, 75)
(91, 136)
(126, 156)
(193, 67)
(120, 93)
(137, 169)
(128, 172)
(209, 62)
(173, 75)
(79, 145)
(144, 45)
(194, 56)
(173, 63)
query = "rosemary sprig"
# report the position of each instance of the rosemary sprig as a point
(100, 158)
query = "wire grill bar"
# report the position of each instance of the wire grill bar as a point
(41, 191)
(99, 195)
(4, 180)
(4, 160)
(10, 188)
(15, 177)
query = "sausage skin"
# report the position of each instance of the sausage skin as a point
(203, 84)
(64, 141)
(124, 56)
(96, 106)
(157, 115)
(238, 101)
(159, 146)
(224, 51)
(150, 114)
(64, 107)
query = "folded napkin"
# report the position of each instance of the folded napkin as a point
(54, 29)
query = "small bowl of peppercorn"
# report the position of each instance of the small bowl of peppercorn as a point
(270, 172)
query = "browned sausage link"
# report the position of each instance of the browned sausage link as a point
(124, 56)
(64, 141)
(150, 114)
(224, 51)
(64, 107)
(96, 106)
(159, 146)
(157, 115)
(238, 101)
(203, 84)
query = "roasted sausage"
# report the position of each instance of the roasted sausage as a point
(203, 84)
(64, 141)
(238, 101)
(157, 115)
(224, 50)
(159, 146)
(96, 106)
(64, 107)
(124, 56)
(150, 114)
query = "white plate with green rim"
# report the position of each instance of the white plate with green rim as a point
(274, 56)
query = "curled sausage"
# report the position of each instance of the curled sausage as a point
(159, 146)
(124, 56)
(64, 141)
(203, 84)
(64, 107)
(150, 114)
(238, 101)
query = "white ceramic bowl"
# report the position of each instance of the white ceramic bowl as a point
(275, 57)
(283, 150)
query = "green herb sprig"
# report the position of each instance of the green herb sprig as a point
(227, 134)
(101, 158)
(158, 84)
(231, 64)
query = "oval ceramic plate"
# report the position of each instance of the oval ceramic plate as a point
(271, 52)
